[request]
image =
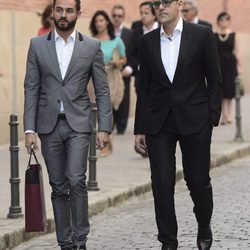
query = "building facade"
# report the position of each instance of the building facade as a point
(19, 22)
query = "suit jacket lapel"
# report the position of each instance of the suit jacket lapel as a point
(75, 55)
(185, 45)
(157, 53)
(53, 54)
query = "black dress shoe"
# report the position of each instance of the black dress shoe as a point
(80, 247)
(204, 238)
(168, 247)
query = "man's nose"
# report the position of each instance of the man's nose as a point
(64, 13)
(161, 7)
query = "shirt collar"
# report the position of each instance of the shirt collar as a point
(178, 28)
(72, 36)
(155, 26)
(196, 20)
(119, 29)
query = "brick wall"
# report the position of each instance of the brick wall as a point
(239, 9)
(27, 23)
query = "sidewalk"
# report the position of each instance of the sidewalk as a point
(120, 176)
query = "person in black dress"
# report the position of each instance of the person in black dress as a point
(227, 50)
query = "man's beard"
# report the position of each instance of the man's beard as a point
(68, 26)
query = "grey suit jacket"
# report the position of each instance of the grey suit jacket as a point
(45, 88)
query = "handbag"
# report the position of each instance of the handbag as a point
(115, 82)
(35, 211)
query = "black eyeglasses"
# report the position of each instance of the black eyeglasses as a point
(185, 10)
(165, 3)
(115, 15)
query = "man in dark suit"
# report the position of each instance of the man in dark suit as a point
(149, 23)
(179, 100)
(121, 115)
(57, 107)
(190, 13)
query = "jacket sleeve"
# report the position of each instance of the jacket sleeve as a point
(143, 90)
(31, 89)
(102, 93)
(213, 76)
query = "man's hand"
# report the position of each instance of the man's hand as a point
(140, 143)
(126, 72)
(103, 140)
(31, 142)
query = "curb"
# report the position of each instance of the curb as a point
(11, 240)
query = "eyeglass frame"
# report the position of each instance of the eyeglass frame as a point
(156, 4)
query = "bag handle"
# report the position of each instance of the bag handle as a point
(33, 153)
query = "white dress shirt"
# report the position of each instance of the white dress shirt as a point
(170, 48)
(64, 51)
(196, 20)
(146, 30)
(118, 31)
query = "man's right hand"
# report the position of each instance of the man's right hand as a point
(140, 144)
(31, 142)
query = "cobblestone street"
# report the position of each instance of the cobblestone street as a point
(131, 225)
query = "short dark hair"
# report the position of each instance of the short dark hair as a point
(222, 15)
(148, 3)
(111, 29)
(119, 6)
(45, 15)
(78, 4)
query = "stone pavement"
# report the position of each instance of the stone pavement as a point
(120, 176)
(131, 225)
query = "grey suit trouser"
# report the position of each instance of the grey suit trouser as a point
(65, 153)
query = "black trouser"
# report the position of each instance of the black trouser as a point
(121, 115)
(196, 165)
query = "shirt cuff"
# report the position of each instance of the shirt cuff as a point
(29, 131)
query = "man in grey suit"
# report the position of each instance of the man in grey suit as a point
(57, 107)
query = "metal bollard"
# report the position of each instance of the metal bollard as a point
(15, 211)
(238, 135)
(92, 183)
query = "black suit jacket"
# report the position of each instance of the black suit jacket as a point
(136, 25)
(136, 36)
(205, 23)
(126, 37)
(194, 95)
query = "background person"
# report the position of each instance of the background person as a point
(149, 22)
(190, 13)
(47, 21)
(102, 29)
(122, 113)
(227, 44)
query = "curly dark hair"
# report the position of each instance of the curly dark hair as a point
(111, 29)
(78, 4)
(45, 15)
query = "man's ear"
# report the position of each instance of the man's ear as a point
(180, 3)
(79, 13)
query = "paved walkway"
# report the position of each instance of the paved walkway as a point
(133, 223)
(120, 176)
